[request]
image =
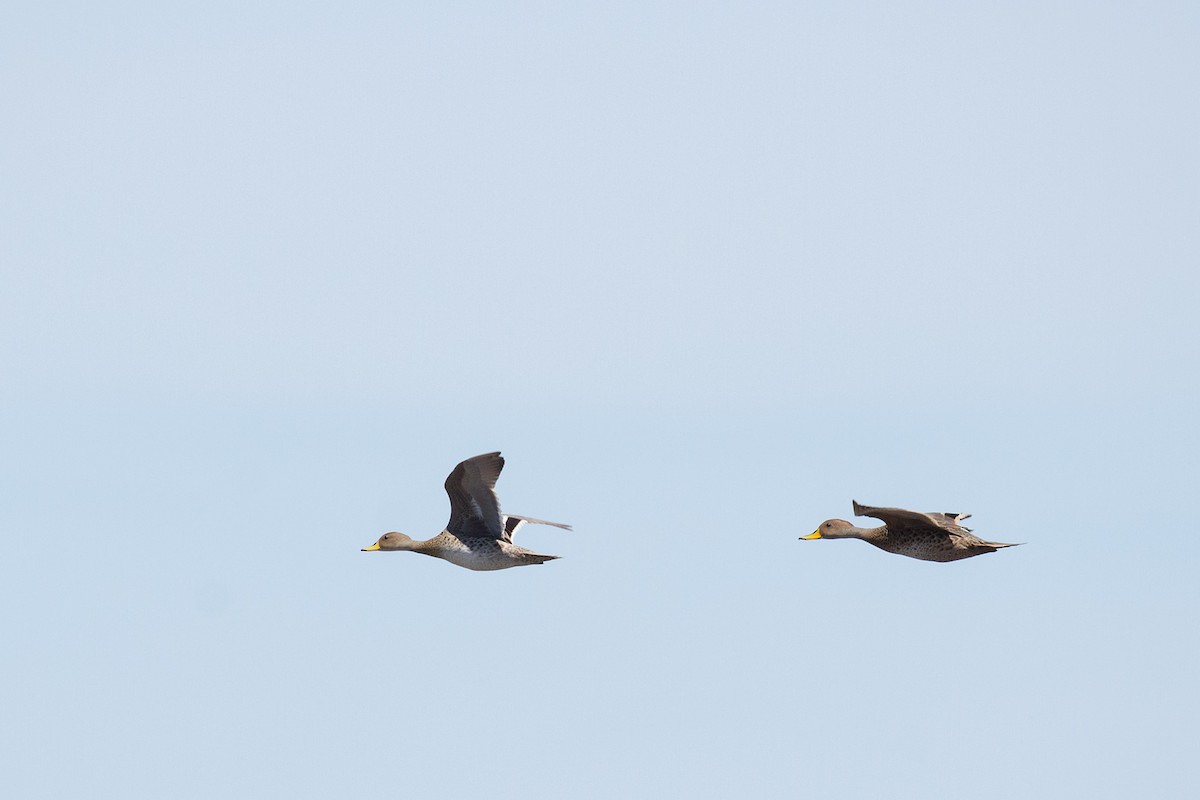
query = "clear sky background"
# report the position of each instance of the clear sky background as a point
(704, 272)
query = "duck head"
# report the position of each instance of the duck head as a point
(834, 529)
(393, 540)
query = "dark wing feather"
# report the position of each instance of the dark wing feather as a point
(512, 523)
(474, 507)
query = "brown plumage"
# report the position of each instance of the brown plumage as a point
(927, 536)
(477, 536)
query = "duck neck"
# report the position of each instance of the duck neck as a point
(871, 534)
(435, 546)
(420, 546)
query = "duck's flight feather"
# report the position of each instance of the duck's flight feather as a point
(474, 507)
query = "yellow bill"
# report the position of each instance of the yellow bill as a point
(372, 547)
(813, 535)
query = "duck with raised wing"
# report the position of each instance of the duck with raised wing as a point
(477, 536)
(929, 537)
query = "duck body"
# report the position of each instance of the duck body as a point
(932, 536)
(929, 545)
(477, 553)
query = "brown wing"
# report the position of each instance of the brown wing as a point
(474, 507)
(900, 518)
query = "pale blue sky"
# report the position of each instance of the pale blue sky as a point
(704, 272)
